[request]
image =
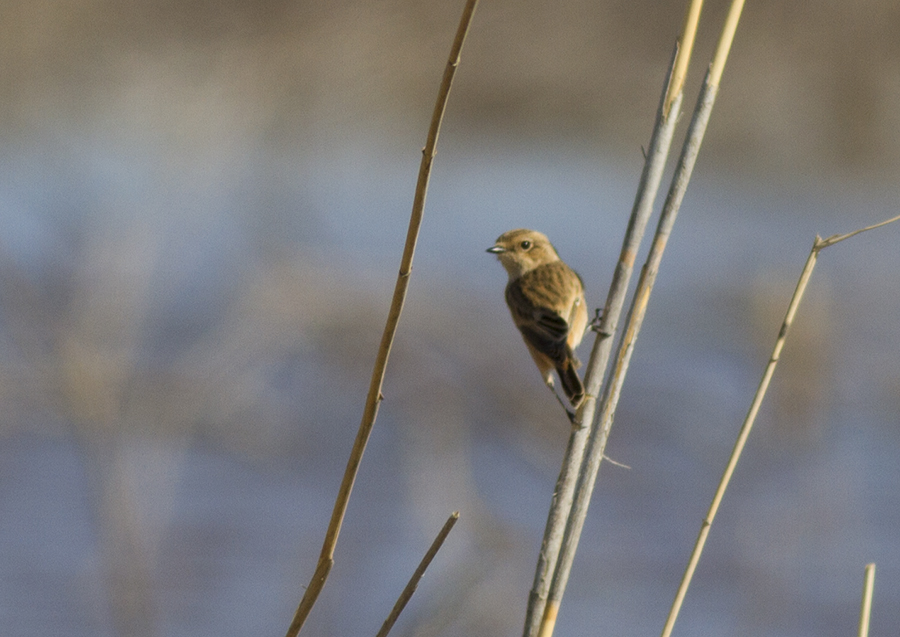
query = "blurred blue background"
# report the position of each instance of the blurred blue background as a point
(203, 210)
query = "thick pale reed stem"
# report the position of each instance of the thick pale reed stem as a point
(597, 439)
(561, 503)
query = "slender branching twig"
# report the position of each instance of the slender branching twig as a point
(374, 396)
(836, 238)
(865, 610)
(742, 438)
(417, 575)
(599, 434)
(818, 245)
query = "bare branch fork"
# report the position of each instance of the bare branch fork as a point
(648, 187)
(374, 396)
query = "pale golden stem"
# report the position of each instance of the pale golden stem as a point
(374, 396)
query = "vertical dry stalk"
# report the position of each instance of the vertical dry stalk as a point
(865, 611)
(407, 593)
(599, 434)
(705, 525)
(374, 396)
(648, 187)
(685, 46)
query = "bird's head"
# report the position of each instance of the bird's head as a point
(522, 250)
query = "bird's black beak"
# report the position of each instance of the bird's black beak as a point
(496, 249)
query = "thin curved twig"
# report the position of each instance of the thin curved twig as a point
(374, 396)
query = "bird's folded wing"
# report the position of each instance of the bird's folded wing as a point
(543, 328)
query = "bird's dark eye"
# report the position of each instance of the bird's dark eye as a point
(525, 244)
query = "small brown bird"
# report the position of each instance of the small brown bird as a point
(546, 300)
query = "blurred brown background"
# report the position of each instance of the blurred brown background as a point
(203, 208)
(810, 87)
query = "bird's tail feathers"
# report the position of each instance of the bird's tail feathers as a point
(571, 382)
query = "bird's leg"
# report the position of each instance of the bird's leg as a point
(571, 414)
(596, 321)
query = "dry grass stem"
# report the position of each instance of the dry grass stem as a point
(599, 434)
(725, 40)
(685, 48)
(741, 440)
(374, 396)
(865, 611)
(417, 575)
(818, 245)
